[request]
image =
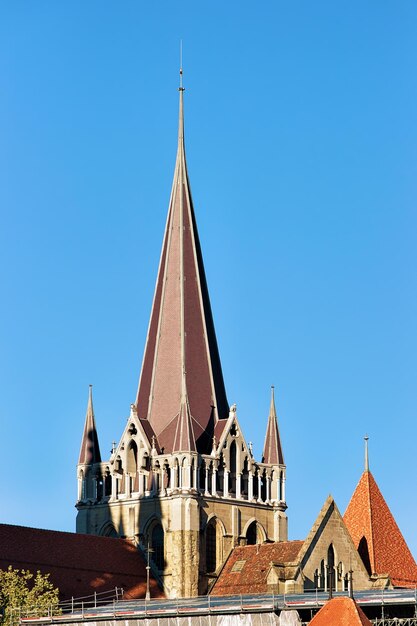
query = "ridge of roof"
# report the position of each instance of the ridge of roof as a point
(343, 611)
(181, 350)
(376, 534)
(90, 449)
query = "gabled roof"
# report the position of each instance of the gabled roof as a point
(79, 564)
(181, 348)
(246, 570)
(184, 434)
(272, 447)
(376, 535)
(90, 450)
(341, 611)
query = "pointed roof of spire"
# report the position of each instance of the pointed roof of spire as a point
(273, 454)
(341, 611)
(90, 450)
(376, 535)
(181, 348)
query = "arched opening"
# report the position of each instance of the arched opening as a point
(202, 473)
(211, 547)
(252, 534)
(82, 489)
(107, 482)
(132, 458)
(245, 477)
(132, 465)
(330, 568)
(263, 486)
(157, 544)
(109, 531)
(364, 554)
(167, 475)
(232, 478)
(322, 576)
(220, 475)
(99, 487)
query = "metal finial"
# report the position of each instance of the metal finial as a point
(366, 438)
(181, 88)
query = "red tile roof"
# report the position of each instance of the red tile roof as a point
(79, 564)
(376, 535)
(246, 570)
(340, 611)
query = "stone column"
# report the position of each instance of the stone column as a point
(283, 489)
(250, 486)
(259, 487)
(214, 481)
(114, 487)
(268, 488)
(196, 477)
(238, 486)
(206, 489)
(174, 477)
(127, 490)
(226, 483)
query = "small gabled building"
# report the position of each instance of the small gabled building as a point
(377, 537)
(324, 559)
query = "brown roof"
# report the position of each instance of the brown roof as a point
(376, 535)
(340, 611)
(181, 357)
(246, 570)
(90, 450)
(79, 565)
(272, 447)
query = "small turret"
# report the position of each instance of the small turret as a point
(272, 449)
(90, 450)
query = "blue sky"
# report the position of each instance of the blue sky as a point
(301, 142)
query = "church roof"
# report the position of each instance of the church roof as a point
(376, 535)
(341, 611)
(90, 450)
(272, 448)
(246, 570)
(78, 565)
(181, 353)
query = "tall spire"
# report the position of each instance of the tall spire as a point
(181, 364)
(90, 450)
(272, 448)
(376, 535)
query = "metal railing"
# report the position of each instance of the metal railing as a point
(113, 605)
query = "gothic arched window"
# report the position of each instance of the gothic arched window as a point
(132, 458)
(211, 547)
(157, 544)
(252, 534)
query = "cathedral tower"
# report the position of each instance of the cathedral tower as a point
(182, 479)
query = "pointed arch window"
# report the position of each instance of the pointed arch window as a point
(252, 534)
(331, 582)
(157, 544)
(211, 547)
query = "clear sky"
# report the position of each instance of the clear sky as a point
(301, 140)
